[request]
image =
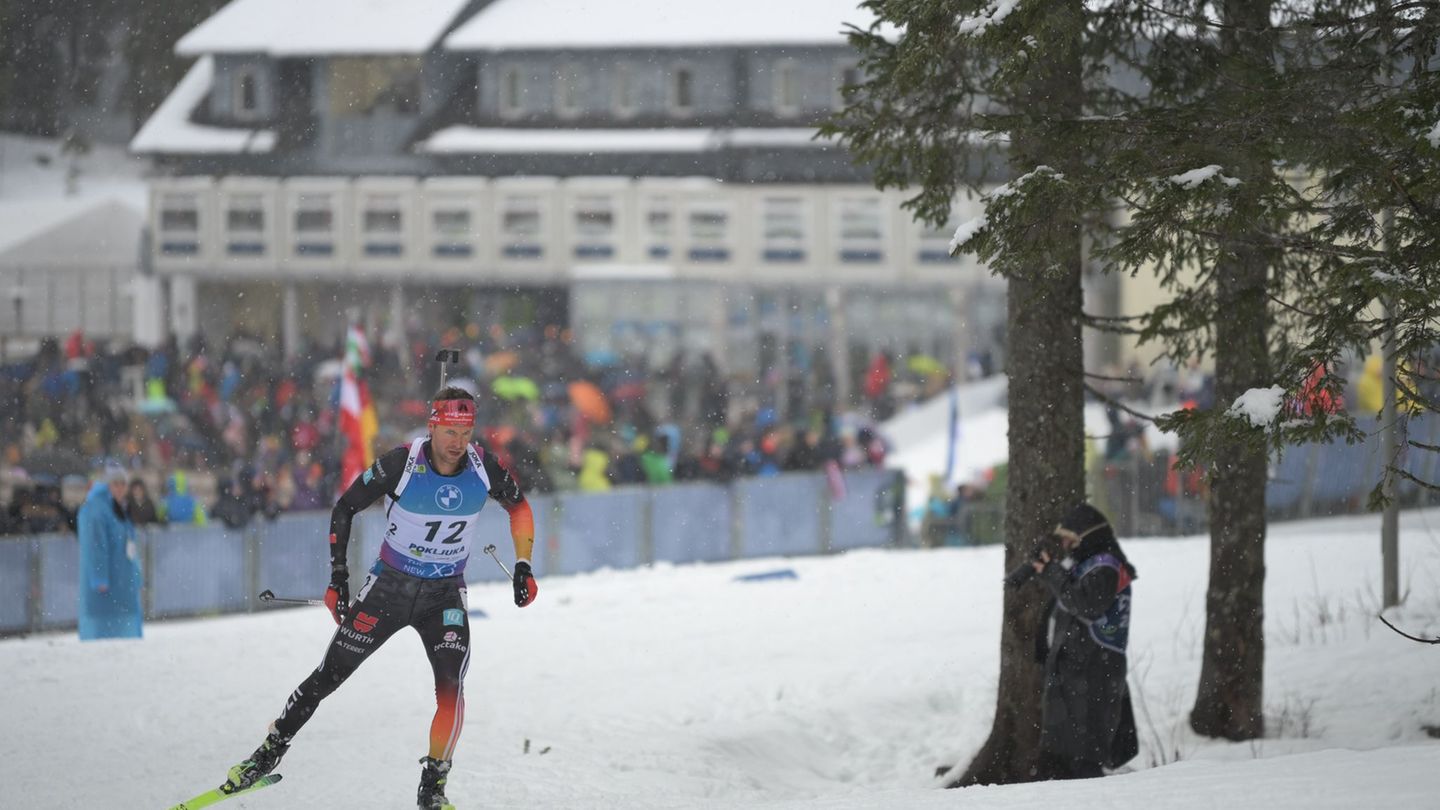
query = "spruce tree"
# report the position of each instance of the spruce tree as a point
(958, 74)
(1187, 152)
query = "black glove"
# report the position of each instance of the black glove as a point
(525, 587)
(1022, 574)
(1048, 545)
(337, 596)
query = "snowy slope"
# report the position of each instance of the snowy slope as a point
(919, 437)
(676, 687)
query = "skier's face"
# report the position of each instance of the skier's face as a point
(448, 443)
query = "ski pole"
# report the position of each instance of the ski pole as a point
(269, 596)
(490, 549)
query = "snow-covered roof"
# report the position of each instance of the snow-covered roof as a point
(322, 27)
(43, 188)
(171, 130)
(76, 231)
(508, 140)
(545, 24)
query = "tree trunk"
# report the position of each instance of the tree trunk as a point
(1047, 430)
(1046, 478)
(1230, 701)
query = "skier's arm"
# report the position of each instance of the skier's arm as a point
(1087, 597)
(506, 492)
(378, 479)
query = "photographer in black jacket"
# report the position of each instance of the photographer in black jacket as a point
(1087, 723)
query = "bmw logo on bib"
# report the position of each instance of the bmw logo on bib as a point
(449, 497)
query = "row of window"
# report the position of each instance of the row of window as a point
(621, 90)
(356, 85)
(531, 226)
(360, 84)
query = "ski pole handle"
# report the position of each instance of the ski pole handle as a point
(269, 596)
(445, 357)
(490, 549)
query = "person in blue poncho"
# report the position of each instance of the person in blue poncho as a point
(109, 562)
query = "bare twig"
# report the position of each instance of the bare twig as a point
(1381, 616)
(1289, 306)
(1412, 479)
(1120, 405)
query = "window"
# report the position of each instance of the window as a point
(452, 236)
(682, 90)
(179, 213)
(404, 94)
(382, 214)
(624, 90)
(522, 223)
(512, 101)
(382, 221)
(247, 94)
(314, 225)
(567, 90)
(935, 240)
(314, 220)
(452, 222)
(245, 225)
(787, 88)
(861, 230)
(850, 76)
(783, 229)
(709, 234)
(659, 225)
(364, 85)
(179, 225)
(594, 216)
(594, 226)
(245, 214)
(520, 227)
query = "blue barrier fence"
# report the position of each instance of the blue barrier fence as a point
(1306, 481)
(201, 571)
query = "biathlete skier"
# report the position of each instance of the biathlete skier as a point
(435, 488)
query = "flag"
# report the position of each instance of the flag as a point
(358, 423)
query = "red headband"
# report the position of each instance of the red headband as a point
(452, 413)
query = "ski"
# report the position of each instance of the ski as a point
(219, 794)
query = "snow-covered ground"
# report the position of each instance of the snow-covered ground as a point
(677, 687)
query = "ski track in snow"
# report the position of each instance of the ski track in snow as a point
(675, 687)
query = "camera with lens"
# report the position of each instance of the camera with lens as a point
(1050, 545)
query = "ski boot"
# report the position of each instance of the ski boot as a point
(263, 761)
(431, 795)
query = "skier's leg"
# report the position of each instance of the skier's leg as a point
(445, 632)
(361, 634)
(380, 609)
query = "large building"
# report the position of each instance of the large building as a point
(645, 172)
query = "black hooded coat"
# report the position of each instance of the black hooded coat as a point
(1088, 722)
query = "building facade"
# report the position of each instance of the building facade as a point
(644, 173)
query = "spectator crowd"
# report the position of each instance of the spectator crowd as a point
(261, 431)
